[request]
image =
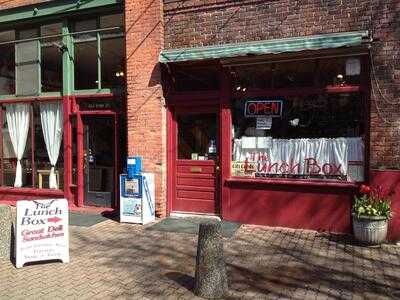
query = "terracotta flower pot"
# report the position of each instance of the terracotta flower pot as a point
(370, 230)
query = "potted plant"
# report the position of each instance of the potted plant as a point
(371, 213)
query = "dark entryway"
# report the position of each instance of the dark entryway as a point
(99, 160)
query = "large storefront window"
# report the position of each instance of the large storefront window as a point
(31, 60)
(51, 58)
(311, 136)
(99, 53)
(7, 63)
(32, 145)
(87, 53)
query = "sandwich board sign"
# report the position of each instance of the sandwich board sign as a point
(42, 231)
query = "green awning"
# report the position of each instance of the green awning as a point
(314, 42)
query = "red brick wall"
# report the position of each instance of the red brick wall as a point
(146, 114)
(198, 23)
(5, 4)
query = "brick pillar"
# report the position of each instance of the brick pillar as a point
(146, 119)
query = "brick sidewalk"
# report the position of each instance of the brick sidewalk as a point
(112, 260)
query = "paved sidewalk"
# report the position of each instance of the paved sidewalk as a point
(112, 260)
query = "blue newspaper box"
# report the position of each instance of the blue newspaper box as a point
(137, 198)
(133, 166)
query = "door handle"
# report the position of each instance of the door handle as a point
(217, 168)
(196, 170)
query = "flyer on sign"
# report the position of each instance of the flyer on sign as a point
(42, 231)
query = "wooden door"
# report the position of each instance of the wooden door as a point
(197, 162)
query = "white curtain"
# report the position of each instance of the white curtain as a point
(321, 151)
(331, 152)
(18, 126)
(356, 159)
(51, 116)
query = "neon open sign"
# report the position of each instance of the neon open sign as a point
(263, 108)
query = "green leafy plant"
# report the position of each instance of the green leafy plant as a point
(372, 202)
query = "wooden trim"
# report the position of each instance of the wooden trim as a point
(80, 159)
(36, 11)
(29, 99)
(297, 182)
(31, 191)
(330, 89)
(94, 97)
(171, 169)
(98, 113)
(116, 162)
(32, 124)
(366, 97)
(189, 162)
(67, 149)
(192, 97)
(99, 93)
(187, 110)
(225, 143)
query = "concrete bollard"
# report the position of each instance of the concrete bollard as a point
(211, 281)
(5, 231)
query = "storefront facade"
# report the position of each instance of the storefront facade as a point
(276, 143)
(63, 100)
(262, 112)
(80, 86)
(299, 101)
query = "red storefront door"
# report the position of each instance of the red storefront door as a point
(197, 162)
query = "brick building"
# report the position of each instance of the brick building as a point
(266, 112)
(96, 63)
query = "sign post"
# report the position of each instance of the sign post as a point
(42, 231)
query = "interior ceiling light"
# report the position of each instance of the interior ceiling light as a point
(340, 79)
(119, 74)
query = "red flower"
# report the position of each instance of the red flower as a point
(365, 189)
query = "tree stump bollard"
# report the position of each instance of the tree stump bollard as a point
(5, 231)
(211, 281)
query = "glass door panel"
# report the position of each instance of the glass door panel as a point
(99, 160)
(197, 137)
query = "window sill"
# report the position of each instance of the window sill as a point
(293, 182)
(44, 96)
(31, 191)
(106, 92)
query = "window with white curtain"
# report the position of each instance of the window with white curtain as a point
(32, 152)
(318, 136)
